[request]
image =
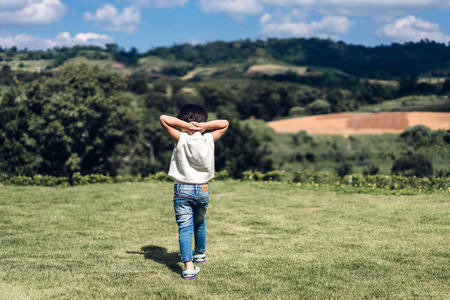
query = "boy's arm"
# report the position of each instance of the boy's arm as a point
(172, 127)
(217, 127)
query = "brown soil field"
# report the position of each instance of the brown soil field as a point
(363, 123)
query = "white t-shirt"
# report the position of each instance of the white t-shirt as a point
(193, 159)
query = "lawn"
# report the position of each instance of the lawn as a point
(265, 241)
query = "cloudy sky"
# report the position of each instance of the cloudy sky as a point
(144, 24)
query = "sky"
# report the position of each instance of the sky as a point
(146, 24)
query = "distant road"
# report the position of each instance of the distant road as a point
(363, 123)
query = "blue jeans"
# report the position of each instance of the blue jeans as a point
(190, 202)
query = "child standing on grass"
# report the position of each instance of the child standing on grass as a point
(191, 168)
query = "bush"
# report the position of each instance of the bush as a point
(416, 164)
(442, 173)
(319, 106)
(315, 177)
(296, 111)
(344, 168)
(371, 169)
(370, 182)
(269, 176)
(274, 175)
(162, 176)
(222, 175)
(417, 136)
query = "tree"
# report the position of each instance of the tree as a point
(446, 86)
(335, 98)
(240, 150)
(319, 106)
(415, 164)
(72, 121)
(416, 136)
(19, 153)
(373, 93)
(6, 75)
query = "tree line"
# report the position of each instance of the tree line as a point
(383, 62)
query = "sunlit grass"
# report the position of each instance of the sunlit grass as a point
(265, 240)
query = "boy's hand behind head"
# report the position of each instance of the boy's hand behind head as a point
(200, 127)
(190, 129)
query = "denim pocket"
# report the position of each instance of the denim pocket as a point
(191, 191)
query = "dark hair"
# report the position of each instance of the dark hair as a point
(193, 113)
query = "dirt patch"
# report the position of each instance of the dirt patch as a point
(363, 123)
(258, 70)
(119, 65)
(199, 71)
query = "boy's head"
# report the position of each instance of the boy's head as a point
(193, 113)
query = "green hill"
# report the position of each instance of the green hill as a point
(425, 58)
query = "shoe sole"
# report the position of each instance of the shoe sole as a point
(200, 262)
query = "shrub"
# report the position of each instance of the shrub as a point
(319, 106)
(296, 111)
(257, 175)
(274, 175)
(314, 177)
(392, 182)
(162, 176)
(371, 169)
(417, 136)
(222, 175)
(442, 173)
(416, 164)
(344, 168)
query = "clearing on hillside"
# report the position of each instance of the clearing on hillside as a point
(363, 123)
(258, 70)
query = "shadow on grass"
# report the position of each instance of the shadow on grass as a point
(160, 255)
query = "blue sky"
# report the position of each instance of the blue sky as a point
(145, 24)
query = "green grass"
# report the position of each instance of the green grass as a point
(265, 241)
(28, 65)
(411, 103)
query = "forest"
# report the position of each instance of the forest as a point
(96, 110)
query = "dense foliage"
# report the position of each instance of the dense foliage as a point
(383, 61)
(76, 120)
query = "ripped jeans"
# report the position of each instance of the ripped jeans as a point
(190, 202)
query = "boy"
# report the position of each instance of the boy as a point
(191, 168)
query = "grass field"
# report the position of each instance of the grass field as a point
(265, 241)
(411, 103)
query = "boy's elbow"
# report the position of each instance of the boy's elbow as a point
(162, 120)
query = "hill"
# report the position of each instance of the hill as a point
(423, 58)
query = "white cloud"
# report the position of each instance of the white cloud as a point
(412, 29)
(231, 7)
(158, 3)
(293, 24)
(63, 39)
(377, 7)
(374, 8)
(30, 12)
(285, 3)
(109, 18)
(89, 38)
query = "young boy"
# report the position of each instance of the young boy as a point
(191, 167)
